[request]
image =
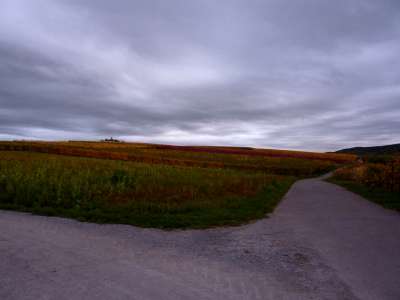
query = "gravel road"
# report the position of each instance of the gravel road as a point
(322, 242)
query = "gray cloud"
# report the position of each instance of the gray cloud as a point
(304, 74)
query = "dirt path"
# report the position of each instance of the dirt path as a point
(322, 242)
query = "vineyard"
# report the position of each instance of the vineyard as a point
(280, 162)
(152, 185)
(378, 179)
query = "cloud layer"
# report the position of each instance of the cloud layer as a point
(304, 74)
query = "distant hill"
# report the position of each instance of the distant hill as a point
(376, 150)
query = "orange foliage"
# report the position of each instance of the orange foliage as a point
(334, 157)
(281, 162)
(374, 175)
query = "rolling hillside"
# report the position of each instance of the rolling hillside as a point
(376, 150)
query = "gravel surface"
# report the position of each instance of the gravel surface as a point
(322, 242)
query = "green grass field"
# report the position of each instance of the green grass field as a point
(156, 192)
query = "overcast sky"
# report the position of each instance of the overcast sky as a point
(296, 74)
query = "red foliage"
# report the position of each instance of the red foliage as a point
(334, 157)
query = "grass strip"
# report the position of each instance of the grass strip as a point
(387, 199)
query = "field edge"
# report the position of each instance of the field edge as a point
(388, 200)
(249, 210)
